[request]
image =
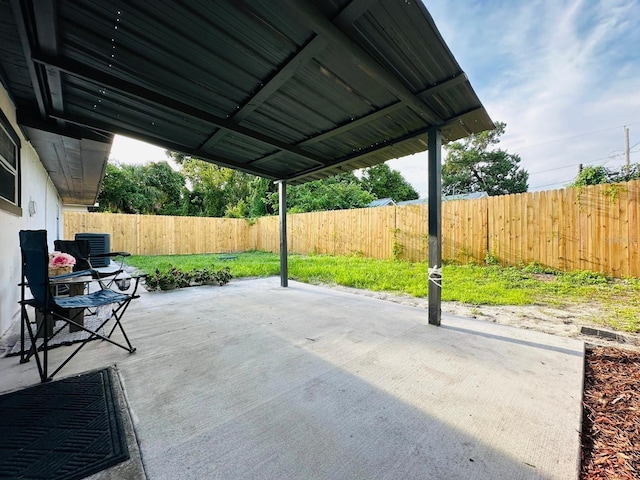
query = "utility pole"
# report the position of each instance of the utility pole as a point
(626, 149)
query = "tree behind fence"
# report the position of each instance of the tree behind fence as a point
(592, 228)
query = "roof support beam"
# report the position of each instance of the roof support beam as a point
(46, 25)
(347, 16)
(353, 124)
(145, 95)
(362, 154)
(434, 143)
(383, 146)
(313, 48)
(321, 25)
(341, 129)
(122, 128)
(352, 12)
(71, 131)
(451, 82)
(21, 24)
(445, 85)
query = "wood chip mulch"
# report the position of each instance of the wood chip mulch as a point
(611, 423)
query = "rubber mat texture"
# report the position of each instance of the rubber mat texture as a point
(67, 429)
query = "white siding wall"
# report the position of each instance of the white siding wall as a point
(36, 186)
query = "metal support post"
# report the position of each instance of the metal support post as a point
(284, 266)
(434, 144)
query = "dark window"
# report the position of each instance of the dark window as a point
(9, 167)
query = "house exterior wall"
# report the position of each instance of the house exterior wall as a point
(37, 187)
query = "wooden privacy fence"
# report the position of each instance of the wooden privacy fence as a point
(593, 228)
(161, 235)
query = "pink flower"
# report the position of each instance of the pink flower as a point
(59, 259)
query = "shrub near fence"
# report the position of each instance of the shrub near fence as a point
(592, 228)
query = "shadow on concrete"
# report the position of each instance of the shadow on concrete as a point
(527, 343)
(254, 381)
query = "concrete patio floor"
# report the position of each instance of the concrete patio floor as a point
(254, 381)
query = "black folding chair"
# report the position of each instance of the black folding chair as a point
(35, 274)
(81, 251)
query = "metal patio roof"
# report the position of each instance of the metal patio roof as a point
(291, 90)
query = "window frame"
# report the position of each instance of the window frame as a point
(7, 205)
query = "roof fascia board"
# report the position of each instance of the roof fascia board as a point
(87, 144)
(111, 82)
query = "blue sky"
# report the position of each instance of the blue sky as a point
(563, 75)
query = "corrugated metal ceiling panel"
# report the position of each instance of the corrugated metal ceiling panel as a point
(294, 89)
(240, 148)
(403, 38)
(12, 61)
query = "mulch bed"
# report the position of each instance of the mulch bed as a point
(611, 423)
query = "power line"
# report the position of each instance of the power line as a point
(578, 136)
(564, 184)
(573, 165)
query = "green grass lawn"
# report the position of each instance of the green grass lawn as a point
(470, 284)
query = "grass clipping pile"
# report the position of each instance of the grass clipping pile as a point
(611, 424)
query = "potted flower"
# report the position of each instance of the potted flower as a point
(60, 263)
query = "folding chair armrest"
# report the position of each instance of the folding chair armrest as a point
(137, 277)
(109, 254)
(70, 276)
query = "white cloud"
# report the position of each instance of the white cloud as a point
(563, 75)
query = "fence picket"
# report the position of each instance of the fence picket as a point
(593, 228)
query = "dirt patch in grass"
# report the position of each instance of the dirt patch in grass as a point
(544, 277)
(567, 320)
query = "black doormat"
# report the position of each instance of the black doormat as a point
(67, 429)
